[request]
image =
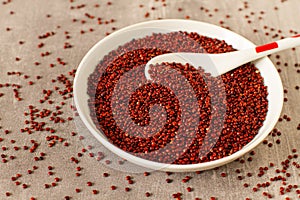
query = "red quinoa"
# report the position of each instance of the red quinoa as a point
(229, 112)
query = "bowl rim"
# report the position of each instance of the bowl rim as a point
(164, 166)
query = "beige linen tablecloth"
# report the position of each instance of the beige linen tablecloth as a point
(43, 39)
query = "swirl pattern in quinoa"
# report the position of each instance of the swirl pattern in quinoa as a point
(184, 116)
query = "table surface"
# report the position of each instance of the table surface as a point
(29, 29)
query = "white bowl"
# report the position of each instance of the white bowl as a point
(111, 42)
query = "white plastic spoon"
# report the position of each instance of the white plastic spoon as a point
(218, 64)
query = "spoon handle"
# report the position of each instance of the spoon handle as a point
(238, 58)
(279, 45)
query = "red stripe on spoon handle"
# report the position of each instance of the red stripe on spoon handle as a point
(270, 46)
(266, 47)
(295, 36)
